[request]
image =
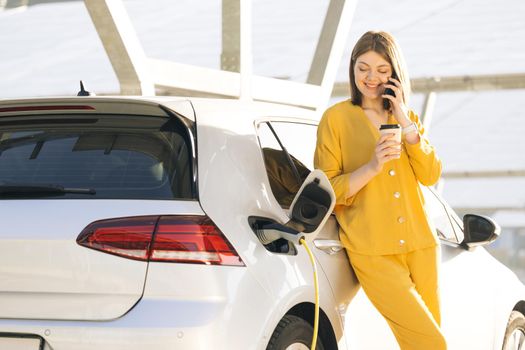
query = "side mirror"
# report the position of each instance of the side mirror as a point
(310, 209)
(479, 230)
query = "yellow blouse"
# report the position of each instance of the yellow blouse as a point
(387, 215)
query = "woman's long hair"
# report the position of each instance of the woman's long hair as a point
(385, 45)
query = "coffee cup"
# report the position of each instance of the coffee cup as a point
(392, 129)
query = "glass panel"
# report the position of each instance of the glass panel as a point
(150, 160)
(285, 183)
(438, 214)
(299, 139)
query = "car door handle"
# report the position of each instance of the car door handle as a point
(329, 246)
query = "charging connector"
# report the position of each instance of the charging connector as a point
(316, 288)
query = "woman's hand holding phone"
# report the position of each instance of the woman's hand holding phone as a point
(393, 95)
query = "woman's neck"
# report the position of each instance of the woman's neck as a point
(375, 105)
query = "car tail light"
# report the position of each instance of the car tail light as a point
(182, 239)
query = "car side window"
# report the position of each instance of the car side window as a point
(287, 164)
(457, 223)
(299, 139)
(437, 212)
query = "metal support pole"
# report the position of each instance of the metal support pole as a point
(122, 46)
(325, 42)
(330, 47)
(428, 110)
(14, 4)
(231, 35)
(246, 68)
(236, 55)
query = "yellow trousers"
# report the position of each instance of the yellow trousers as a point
(404, 289)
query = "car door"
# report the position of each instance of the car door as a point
(299, 140)
(466, 291)
(466, 281)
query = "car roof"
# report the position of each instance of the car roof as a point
(210, 111)
(224, 112)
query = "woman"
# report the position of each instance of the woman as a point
(392, 247)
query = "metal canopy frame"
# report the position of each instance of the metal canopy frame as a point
(455, 83)
(122, 46)
(141, 75)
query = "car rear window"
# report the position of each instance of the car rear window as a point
(95, 157)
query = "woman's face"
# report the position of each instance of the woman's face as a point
(371, 71)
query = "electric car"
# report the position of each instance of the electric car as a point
(174, 223)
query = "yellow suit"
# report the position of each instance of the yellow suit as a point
(392, 246)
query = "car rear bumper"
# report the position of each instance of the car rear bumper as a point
(219, 317)
(194, 328)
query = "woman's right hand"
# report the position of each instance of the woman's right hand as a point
(387, 148)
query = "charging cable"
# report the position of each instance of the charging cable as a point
(316, 287)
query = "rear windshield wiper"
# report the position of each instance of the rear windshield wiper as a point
(20, 189)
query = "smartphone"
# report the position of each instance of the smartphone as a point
(389, 91)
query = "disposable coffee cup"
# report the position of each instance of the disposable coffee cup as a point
(392, 129)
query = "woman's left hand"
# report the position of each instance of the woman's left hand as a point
(399, 109)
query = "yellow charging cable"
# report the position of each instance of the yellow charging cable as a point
(316, 287)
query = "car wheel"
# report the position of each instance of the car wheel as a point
(293, 333)
(515, 333)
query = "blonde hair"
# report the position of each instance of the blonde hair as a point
(385, 45)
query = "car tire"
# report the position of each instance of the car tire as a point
(515, 332)
(293, 333)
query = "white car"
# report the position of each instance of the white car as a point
(138, 223)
